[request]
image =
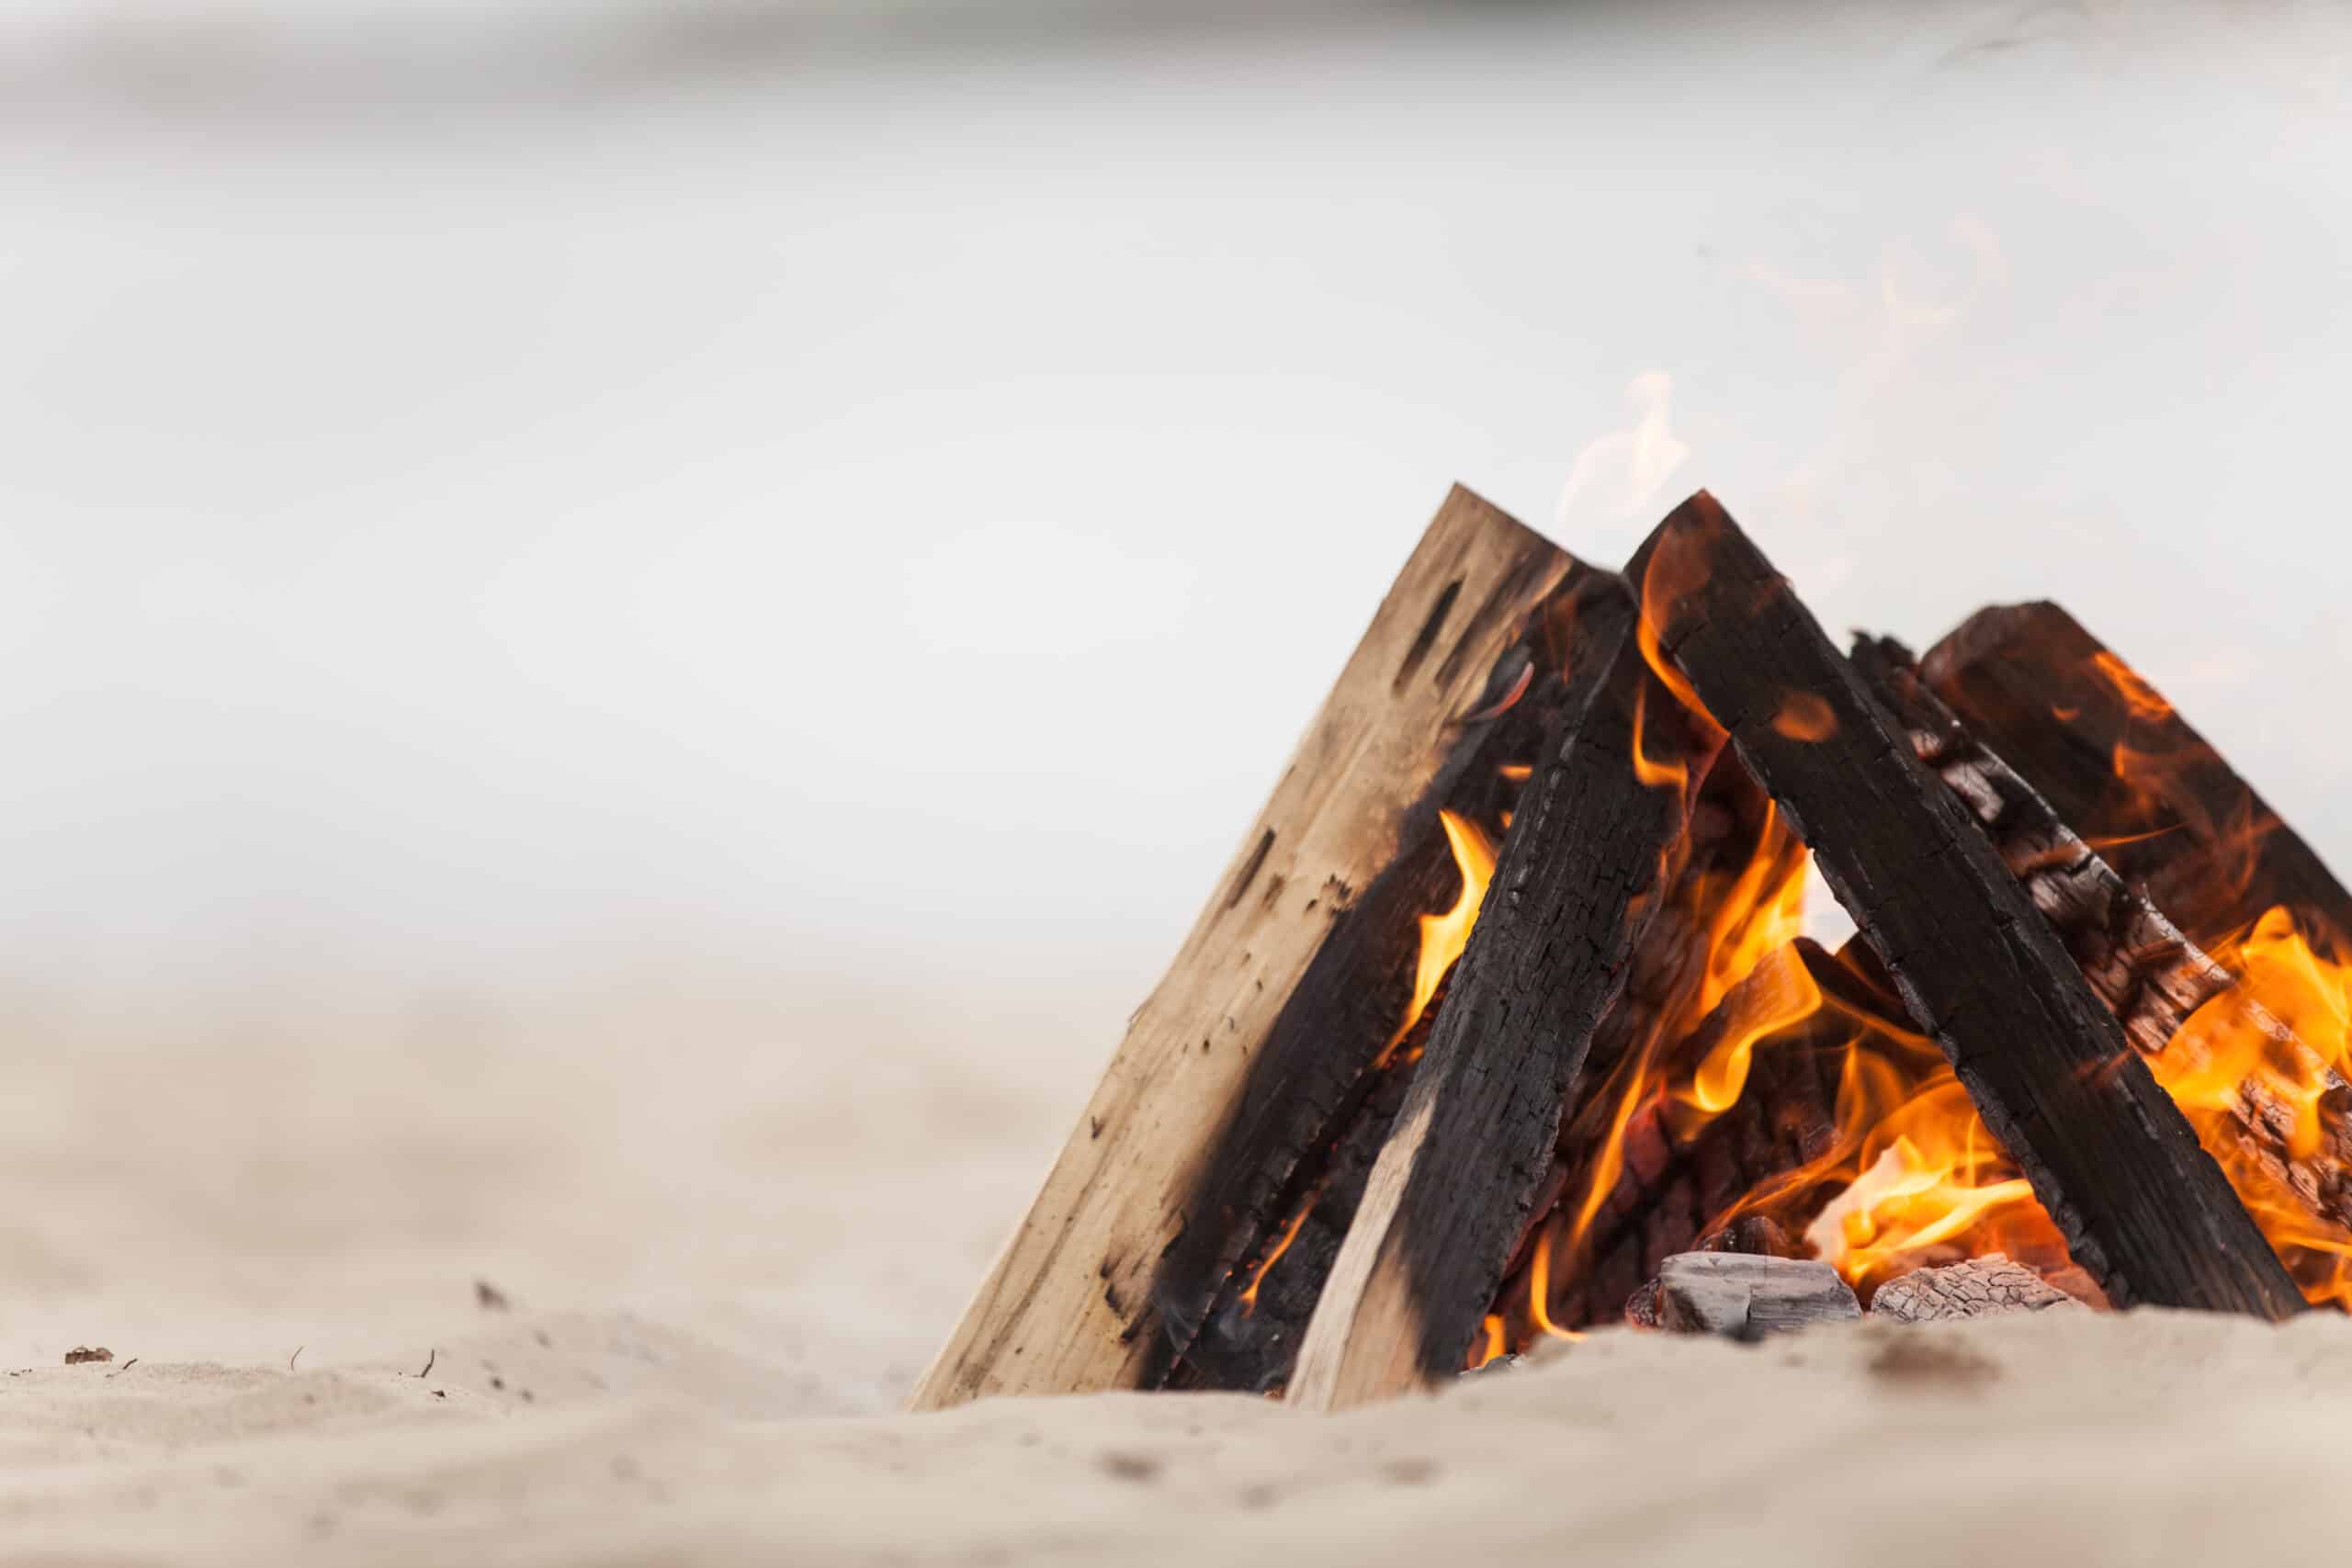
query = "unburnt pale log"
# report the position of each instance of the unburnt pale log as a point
(2141, 965)
(1745, 1296)
(2112, 1159)
(2064, 711)
(1581, 874)
(1981, 1287)
(1255, 1049)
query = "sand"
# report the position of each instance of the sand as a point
(602, 1438)
(729, 1244)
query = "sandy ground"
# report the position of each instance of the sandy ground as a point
(727, 1257)
(605, 1438)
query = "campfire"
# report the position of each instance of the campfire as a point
(1502, 1025)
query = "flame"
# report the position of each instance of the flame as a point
(1804, 715)
(1273, 1254)
(1789, 997)
(1674, 775)
(2172, 782)
(1444, 936)
(1928, 1173)
(1746, 917)
(2271, 1048)
(1539, 1286)
(1494, 1344)
(1674, 571)
(2143, 700)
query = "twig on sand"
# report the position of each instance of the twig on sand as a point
(430, 1356)
(122, 1368)
(294, 1357)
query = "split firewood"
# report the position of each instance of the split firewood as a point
(2122, 767)
(1258, 1047)
(2141, 965)
(2112, 1159)
(1580, 877)
(1982, 1287)
(1741, 1296)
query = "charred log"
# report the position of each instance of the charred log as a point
(2121, 766)
(2113, 1160)
(1582, 874)
(2141, 965)
(1255, 1051)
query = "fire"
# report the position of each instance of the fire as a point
(1928, 1174)
(2144, 701)
(1274, 1254)
(1445, 935)
(1787, 997)
(1748, 916)
(1804, 715)
(2272, 1046)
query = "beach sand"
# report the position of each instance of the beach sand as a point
(728, 1246)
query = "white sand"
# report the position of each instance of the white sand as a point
(2155, 1439)
(731, 1254)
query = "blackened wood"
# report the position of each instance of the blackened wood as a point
(2141, 965)
(1582, 872)
(1254, 1047)
(1321, 1096)
(2062, 709)
(2113, 1160)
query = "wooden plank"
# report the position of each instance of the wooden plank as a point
(2063, 710)
(1293, 979)
(1582, 875)
(2113, 1160)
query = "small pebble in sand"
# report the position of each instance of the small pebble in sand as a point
(81, 1353)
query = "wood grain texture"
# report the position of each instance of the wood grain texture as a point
(2113, 1160)
(1070, 1305)
(2143, 966)
(1581, 874)
(2045, 694)
(1312, 1114)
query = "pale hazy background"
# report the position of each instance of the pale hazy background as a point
(628, 631)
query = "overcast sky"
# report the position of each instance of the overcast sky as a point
(897, 505)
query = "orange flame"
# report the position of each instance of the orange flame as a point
(1444, 936)
(1787, 996)
(1274, 1254)
(2143, 700)
(1746, 917)
(2271, 1048)
(1804, 715)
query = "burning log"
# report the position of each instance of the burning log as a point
(2123, 767)
(2141, 965)
(1582, 874)
(1259, 1047)
(2113, 1159)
